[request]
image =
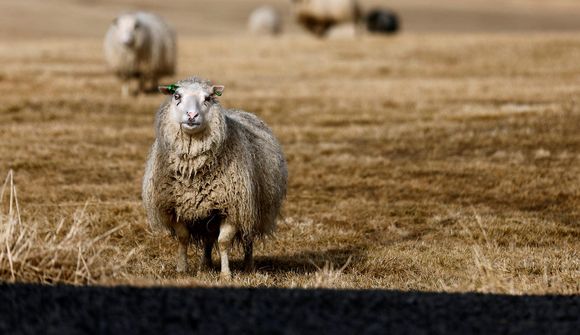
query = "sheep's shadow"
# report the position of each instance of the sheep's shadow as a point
(304, 262)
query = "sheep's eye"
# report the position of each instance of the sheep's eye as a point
(207, 98)
(177, 96)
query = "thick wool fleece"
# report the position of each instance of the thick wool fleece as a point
(235, 168)
(153, 56)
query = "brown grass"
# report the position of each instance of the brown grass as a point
(59, 252)
(433, 162)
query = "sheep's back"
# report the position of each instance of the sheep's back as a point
(329, 10)
(270, 171)
(163, 47)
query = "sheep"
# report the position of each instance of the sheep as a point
(265, 20)
(382, 21)
(140, 46)
(212, 175)
(318, 16)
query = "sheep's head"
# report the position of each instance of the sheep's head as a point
(129, 31)
(191, 103)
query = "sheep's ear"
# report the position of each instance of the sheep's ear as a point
(168, 89)
(217, 90)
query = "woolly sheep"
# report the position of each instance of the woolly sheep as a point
(318, 16)
(382, 21)
(265, 20)
(140, 46)
(213, 174)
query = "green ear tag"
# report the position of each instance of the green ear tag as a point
(172, 88)
(219, 94)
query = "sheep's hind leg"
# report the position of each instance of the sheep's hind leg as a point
(125, 88)
(249, 256)
(142, 84)
(153, 85)
(183, 238)
(148, 84)
(206, 256)
(225, 239)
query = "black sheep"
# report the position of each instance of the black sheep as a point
(382, 21)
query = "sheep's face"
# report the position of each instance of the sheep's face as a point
(190, 105)
(130, 32)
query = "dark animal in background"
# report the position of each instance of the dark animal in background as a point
(382, 21)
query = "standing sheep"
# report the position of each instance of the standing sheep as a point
(318, 16)
(140, 46)
(265, 20)
(213, 174)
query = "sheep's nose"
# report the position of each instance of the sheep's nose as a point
(128, 41)
(192, 115)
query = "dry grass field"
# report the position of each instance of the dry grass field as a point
(436, 162)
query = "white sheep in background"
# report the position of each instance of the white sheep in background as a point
(213, 174)
(318, 16)
(140, 46)
(265, 20)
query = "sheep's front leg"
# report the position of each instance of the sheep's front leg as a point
(153, 84)
(249, 256)
(125, 88)
(225, 239)
(148, 84)
(142, 84)
(183, 239)
(206, 256)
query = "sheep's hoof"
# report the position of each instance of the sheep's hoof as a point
(205, 267)
(249, 268)
(227, 276)
(181, 267)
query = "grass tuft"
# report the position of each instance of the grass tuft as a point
(52, 252)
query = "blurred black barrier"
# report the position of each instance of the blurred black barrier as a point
(34, 309)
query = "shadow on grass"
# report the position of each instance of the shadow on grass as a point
(304, 262)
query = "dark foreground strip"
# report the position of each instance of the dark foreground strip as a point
(34, 309)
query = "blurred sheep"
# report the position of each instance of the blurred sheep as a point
(140, 46)
(318, 16)
(265, 20)
(213, 174)
(382, 21)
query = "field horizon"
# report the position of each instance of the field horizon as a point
(39, 19)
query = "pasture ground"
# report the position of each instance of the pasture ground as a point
(437, 162)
